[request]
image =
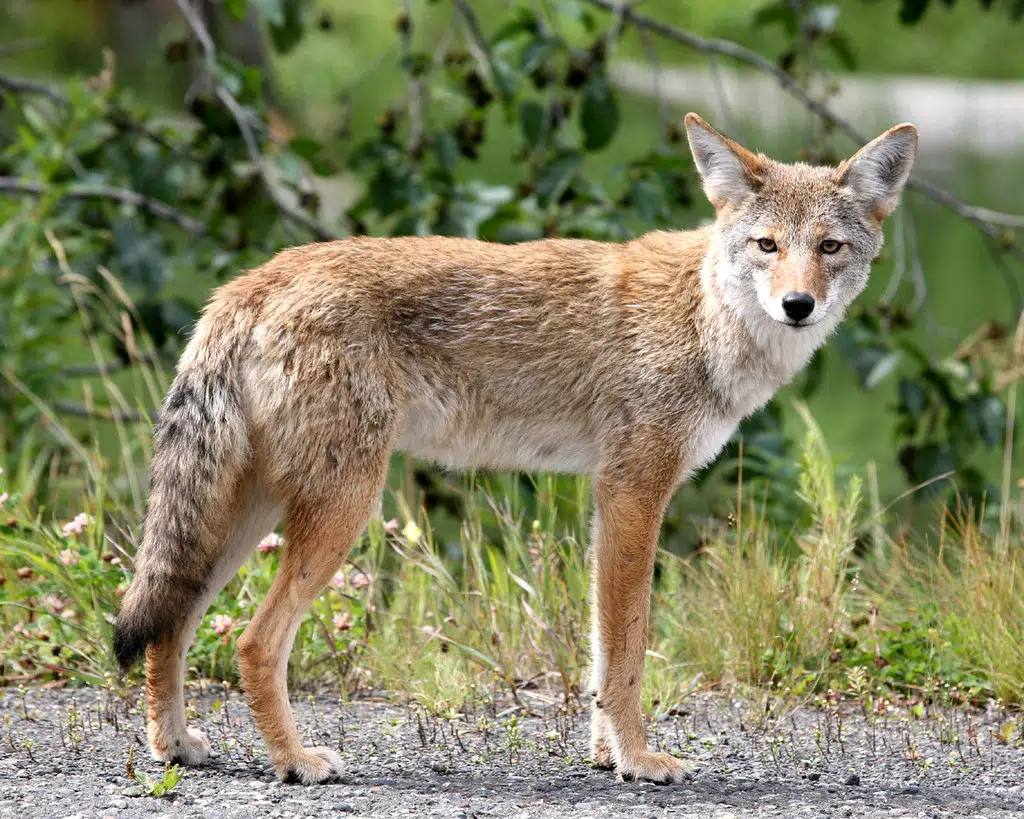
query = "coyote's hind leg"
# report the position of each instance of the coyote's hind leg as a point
(253, 515)
(320, 528)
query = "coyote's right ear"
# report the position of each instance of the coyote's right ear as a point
(728, 170)
(877, 173)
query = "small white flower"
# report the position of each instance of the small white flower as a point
(3, 497)
(69, 557)
(222, 624)
(271, 543)
(412, 532)
(342, 622)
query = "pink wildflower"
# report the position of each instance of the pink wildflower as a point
(76, 526)
(222, 624)
(3, 497)
(391, 526)
(342, 622)
(69, 557)
(339, 581)
(53, 603)
(360, 580)
(271, 543)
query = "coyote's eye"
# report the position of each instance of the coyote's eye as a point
(830, 246)
(767, 245)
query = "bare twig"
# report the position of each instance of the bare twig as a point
(242, 119)
(415, 84)
(123, 195)
(987, 221)
(659, 97)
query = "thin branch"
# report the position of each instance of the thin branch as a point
(16, 85)
(659, 97)
(415, 91)
(242, 119)
(479, 40)
(987, 221)
(102, 414)
(126, 197)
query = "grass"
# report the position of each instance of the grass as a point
(455, 624)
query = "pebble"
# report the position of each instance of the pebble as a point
(852, 779)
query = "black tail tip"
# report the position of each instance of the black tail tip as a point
(129, 642)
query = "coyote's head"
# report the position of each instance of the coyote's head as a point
(796, 241)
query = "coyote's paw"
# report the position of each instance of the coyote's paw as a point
(601, 754)
(600, 742)
(191, 748)
(312, 766)
(658, 767)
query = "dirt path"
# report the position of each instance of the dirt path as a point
(63, 753)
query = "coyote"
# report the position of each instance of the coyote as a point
(632, 362)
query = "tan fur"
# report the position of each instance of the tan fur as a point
(632, 362)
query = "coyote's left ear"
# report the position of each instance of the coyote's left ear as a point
(877, 173)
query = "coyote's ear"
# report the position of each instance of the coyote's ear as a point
(877, 173)
(729, 171)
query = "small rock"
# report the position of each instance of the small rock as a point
(852, 779)
(441, 767)
(813, 776)
(344, 807)
(912, 789)
(257, 784)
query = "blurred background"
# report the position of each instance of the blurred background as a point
(268, 123)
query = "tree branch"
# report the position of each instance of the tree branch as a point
(126, 197)
(987, 221)
(241, 118)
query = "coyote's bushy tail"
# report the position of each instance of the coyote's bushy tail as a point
(201, 451)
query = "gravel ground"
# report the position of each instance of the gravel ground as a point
(63, 753)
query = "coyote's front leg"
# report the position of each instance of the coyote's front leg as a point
(630, 504)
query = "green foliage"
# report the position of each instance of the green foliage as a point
(147, 785)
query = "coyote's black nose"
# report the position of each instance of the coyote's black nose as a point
(798, 306)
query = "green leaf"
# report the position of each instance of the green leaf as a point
(913, 397)
(780, 12)
(305, 147)
(271, 10)
(237, 8)
(531, 121)
(599, 113)
(557, 176)
(987, 418)
(447, 148)
(912, 11)
(647, 198)
(840, 44)
(882, 369)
